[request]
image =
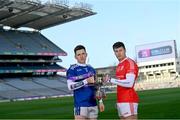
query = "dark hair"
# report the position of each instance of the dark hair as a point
(118, 44)
(79, 47)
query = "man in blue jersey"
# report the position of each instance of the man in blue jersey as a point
(81, 79)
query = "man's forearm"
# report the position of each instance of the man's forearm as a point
(128, 82)
(76, 85)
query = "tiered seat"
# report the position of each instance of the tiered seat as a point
(17, 42)
(14, 88)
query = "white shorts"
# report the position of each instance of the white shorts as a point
(88, 112)
(127, 109)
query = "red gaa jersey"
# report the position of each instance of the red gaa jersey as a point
(125, 94)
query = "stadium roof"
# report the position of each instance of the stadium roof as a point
(34, 14)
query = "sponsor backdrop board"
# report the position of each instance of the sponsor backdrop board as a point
(156, 51)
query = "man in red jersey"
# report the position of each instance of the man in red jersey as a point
(126, 74)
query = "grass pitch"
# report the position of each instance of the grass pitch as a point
(154, 104)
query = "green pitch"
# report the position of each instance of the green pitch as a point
(163, 103)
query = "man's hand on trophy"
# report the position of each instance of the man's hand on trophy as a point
(90, 80)
(106, 78)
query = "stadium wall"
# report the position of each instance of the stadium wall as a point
(157, 61)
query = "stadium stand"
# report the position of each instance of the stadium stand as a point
(158, 84)
(9, 91)
(20, 42)
(29, 62)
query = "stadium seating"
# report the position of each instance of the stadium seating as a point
(31, 53)
(158, 84)
(27, 53)
(16, 88)
(34, 42)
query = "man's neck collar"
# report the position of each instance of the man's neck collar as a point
(123, 60)
(80, 64)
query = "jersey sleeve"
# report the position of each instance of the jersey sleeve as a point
(72, 85)
(70, 73)
(131, 67)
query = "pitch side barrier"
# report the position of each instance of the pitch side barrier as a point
(42, 97)
(39, 97)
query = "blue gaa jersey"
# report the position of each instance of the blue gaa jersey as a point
(85, 95)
